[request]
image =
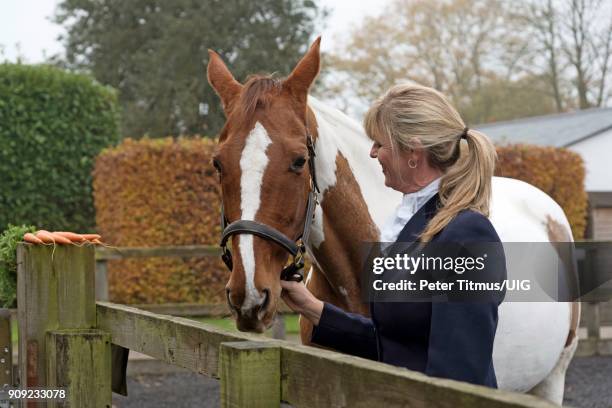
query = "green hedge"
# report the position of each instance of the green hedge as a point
(8, 263)
(52, 125)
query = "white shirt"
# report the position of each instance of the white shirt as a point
(410, 204)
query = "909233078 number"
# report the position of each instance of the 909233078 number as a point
(34, 394)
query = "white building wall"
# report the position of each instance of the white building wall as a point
(597, 155)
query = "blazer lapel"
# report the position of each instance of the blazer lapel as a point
(419, 220)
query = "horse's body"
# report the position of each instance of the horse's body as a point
(531, 337)
(261, 160)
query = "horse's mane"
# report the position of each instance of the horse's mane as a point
(258, 90)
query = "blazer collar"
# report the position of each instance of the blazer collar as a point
(419, 220)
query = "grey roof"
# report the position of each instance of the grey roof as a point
(559, 130)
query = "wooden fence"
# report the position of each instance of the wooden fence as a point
(592, 261)
(105, 254)
(65, 342)
(595, 265)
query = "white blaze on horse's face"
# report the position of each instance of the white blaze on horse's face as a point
(253, 164)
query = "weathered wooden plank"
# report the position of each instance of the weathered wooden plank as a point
(183, 251)
(79, 361)
(250, 375)
(101, 280)
(175, 340)
(594, 347)
(196, 309)
(605, 314)
(321, 378)
(591, 316)
(593, 244)
(279, 327)
(55, 289)
(340, 380)
(6, 346)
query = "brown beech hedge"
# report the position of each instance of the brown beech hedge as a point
(155, 192)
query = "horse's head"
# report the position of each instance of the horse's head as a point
(262, 161)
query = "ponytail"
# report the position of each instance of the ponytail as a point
(466, 184)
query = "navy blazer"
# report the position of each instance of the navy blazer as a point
(441, 339)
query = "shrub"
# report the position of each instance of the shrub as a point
(52, 125)
(165, 192)
(556, 171)
(154, 192)
(8, 263)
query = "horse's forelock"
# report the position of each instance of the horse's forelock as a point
(258, 91)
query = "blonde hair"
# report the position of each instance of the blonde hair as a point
(415, 116)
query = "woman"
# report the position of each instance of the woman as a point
(417, 138)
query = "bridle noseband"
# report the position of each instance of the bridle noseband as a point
(297, 248)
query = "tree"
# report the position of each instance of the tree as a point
(570, 46)
(542, 22)
(469, 50)
(587, 46)
(155, 52)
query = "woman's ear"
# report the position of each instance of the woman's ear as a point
(417, 152)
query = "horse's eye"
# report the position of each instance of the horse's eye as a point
(217, 165)
(298, 164)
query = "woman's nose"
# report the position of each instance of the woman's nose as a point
(374, 151)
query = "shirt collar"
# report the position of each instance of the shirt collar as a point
(428, 191)
(411, 202)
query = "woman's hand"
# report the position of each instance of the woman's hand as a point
(300, 300)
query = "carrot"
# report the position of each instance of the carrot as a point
(71, 236)
(91, 237)
(45, 236)
(31, 238)
(96, 241)
(58, 239)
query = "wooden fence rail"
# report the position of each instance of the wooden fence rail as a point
(594, 260)
(306, 376)
(65, 341)
(105, 254)
(595, 270)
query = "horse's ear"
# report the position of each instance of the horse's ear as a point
(305, 72)
(222, 80)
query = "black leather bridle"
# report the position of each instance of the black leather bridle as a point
(297, 248)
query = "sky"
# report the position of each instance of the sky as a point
(26, 28)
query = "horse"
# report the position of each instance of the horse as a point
(265, 168)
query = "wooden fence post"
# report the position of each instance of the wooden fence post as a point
(56, 292)
(278, 327)
(6, 349)
(77, 361)
(250, 374)
(593, 320)
(101, 280)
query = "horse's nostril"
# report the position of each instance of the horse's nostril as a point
(266, 301)
(229, 300)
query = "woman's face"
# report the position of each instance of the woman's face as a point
(398, 175)
(396, 166)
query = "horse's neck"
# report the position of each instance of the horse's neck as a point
(354, 200)
(342, 136)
